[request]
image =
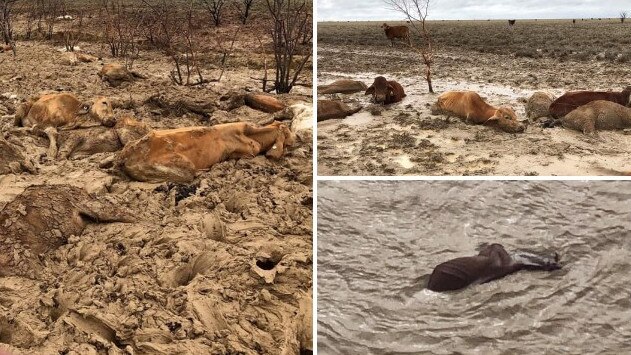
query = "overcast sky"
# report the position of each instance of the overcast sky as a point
(343, 10)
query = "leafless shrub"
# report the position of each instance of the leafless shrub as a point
(416, 11)
(50, 10)
(623, 16)
(183, 48)
(288, 19)
(73, 35)
(215, 9)
(121, 24)
(6, 22)
(244, 7)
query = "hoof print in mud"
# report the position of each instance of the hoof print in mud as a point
(267, 266)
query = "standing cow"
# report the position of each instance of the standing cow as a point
(393, 32)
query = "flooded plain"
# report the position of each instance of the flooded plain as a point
(379, 241)
(504, 67)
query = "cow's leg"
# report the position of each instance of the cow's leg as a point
(177, 168)
(589, 127)
(69, 146)
(51, 133)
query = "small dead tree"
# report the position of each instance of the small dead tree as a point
(183, 52)
(73, 35)
(416, 11)
(243, 9)
(6, 22)
(121, 29)
(51, 10)
(215, 9)
(623, 16)
(288, 19)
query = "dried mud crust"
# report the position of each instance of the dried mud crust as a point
(368, 143)
(219, 266)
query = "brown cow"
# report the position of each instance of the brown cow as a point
(574, 99)
(385, 91)
(598, 115)
(177, 154)
(64, 110)
(264, 102)
(470, 106)
(88, 141)
(393, 32)
(329, 109)
(115, 74)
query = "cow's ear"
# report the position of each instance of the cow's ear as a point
(371, 90)
(495, 117)
(391, 89)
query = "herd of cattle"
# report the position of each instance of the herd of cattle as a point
(76, 129)
(585, 111)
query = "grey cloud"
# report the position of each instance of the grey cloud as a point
(331, 10)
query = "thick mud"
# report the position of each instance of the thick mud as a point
(219, 266)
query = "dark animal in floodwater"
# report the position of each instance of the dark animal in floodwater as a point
(385, 91)
(570, 101)
(493, 262)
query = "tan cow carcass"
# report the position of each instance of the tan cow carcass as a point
(64, 110)
(470, 106)
(178, 154)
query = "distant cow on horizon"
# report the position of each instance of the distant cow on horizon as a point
(393, 32)
(511, 22)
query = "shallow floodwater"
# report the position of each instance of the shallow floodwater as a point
(379, 241)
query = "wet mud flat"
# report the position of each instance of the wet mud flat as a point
(392, 235)
(222, 265)
(406, 139)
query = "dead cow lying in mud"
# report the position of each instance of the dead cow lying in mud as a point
(177, 154)
(385, 91)
(329, 109)
(116, 74)
(598, 115)
(470, 106)
(343, 86)
(574, 99)
(88, 141)
(64, 110)
(41, 219)
(394, 32)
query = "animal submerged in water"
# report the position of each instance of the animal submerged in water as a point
(493, 262)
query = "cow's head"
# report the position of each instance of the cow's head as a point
(385, 26)
(380, 90)
(506, 120)
(100, 109)
(285, 138)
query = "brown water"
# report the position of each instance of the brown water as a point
(379, 241)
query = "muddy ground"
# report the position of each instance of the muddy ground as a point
(220, 266)
(505, 66)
